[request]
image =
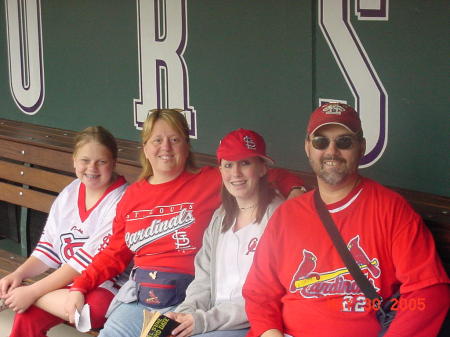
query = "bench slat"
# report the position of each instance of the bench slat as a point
(130, 173)
(46, 180)
(58, 139)
(9, 262)
(57, 160)
(25, 197)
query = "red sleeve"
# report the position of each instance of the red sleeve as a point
(262, 290)
(108, 263)
(421, 323)
(417, 263)
(284, 180)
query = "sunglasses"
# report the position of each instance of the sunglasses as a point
(342, 142)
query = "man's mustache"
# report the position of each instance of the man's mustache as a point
(335, 158)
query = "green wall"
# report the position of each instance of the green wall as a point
(254, 64)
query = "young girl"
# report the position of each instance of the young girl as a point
(214, 305)
(78, 227)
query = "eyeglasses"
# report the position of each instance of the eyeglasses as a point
(342, 142)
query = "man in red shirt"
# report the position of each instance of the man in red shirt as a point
(299, 285)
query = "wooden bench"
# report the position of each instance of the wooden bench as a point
(36, 163)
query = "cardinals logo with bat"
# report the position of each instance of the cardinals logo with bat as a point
(312, 284)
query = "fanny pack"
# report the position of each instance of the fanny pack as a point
(160, 289)
(385, 314)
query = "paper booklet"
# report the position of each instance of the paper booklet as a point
(157, 325)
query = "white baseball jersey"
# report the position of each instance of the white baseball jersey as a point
(235, 252)
(73, 234)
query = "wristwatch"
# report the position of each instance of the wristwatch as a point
(301, 188)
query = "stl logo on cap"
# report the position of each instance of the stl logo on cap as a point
(240, 144)
(249, 143)
(333, 109)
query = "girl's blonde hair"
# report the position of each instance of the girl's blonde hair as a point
(178, 122)
(97, 134)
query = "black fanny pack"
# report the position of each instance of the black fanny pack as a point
(160, 289)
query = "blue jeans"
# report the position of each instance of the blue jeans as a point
(126, 320)
(224, 333)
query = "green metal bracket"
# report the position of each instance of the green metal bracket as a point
(24, 231)
(24, 225)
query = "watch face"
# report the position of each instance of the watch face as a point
(301, 188)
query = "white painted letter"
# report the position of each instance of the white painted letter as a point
(163, 75)
(26, 65)
(371, 99)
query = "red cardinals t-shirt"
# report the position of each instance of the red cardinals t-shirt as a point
(160, 225)
(298, 282)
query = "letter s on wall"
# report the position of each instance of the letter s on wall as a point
(371, 99)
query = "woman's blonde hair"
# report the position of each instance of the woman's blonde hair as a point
(96, 134)
(178, 122)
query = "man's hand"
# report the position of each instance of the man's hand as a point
(74, 301)
(186, 326)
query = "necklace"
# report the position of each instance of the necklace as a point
(249, 207)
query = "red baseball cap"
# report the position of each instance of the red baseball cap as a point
(240, 144)
(334, 113)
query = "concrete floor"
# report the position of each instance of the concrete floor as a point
(6, 319)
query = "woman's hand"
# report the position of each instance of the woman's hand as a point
(74, 301)
(186, 321)
(20, 299)
(295, 192)
(272, 333)
(9, 282)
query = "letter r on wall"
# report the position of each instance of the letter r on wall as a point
(163, 75)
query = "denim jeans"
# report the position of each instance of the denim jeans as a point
(224, 333)
(126, 320)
